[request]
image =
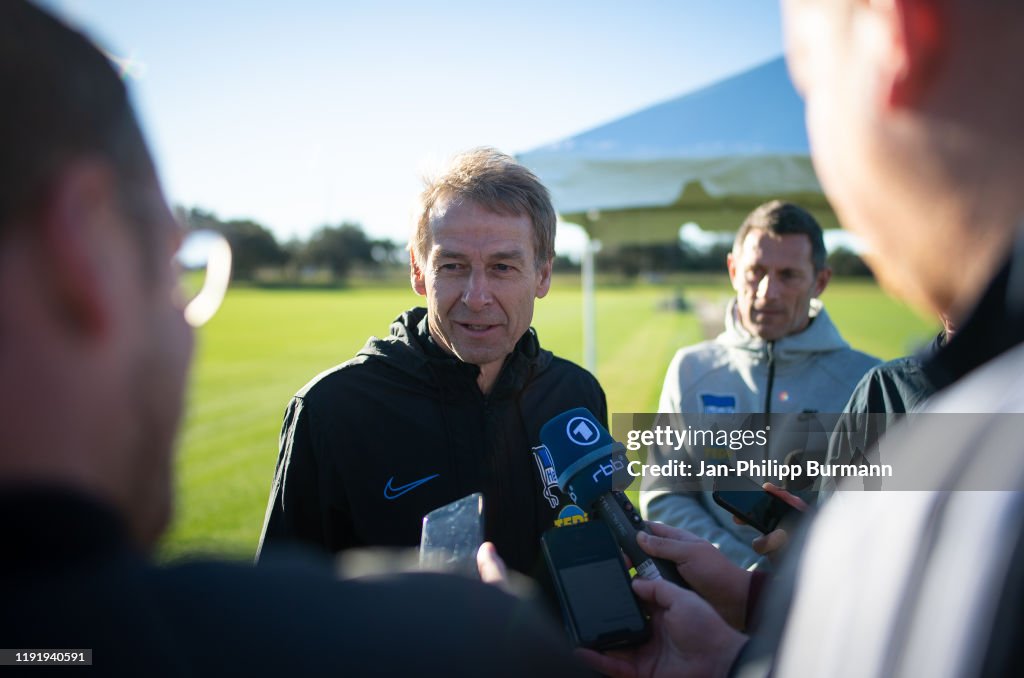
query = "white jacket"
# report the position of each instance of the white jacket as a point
(812, 371)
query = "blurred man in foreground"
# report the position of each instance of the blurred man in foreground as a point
(914, 110)
(93, 357)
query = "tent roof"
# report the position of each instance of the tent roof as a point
(709, 156)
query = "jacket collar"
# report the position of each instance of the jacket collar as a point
(48, 525)
(820, 336)
(995, 325)
(410, 348)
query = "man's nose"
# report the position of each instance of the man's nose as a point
(768, 287)
(477, 294)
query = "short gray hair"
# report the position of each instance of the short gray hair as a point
(495, 181)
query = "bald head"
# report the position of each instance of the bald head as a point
(63, 100)
(913, 110)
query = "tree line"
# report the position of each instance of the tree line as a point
(334, 252)
(634, 260)
(331, 253)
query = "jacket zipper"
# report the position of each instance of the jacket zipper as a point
(770, 349)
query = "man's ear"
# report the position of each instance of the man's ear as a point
(821, 280)
(917, 32)
(730, 264)
(73, 226)
(419, 285)
(544, 282)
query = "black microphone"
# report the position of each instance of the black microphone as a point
(591, 469)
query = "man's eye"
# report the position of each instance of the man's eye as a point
(449, 267)
(502, 267)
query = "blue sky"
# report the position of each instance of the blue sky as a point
(307, 112)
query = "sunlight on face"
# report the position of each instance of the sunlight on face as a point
(480, 279)
(774, 281)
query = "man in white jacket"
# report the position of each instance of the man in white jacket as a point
(779, 354)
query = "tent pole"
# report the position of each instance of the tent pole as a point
(589, 310)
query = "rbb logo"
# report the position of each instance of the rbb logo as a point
(609, 469)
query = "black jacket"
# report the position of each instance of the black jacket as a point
(371, 446)
(70, 579)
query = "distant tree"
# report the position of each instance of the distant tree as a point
(563, 264)
(632, 259)
(337, 248)
(252, 245)
(388, 252)
(711, 259)
(845, 262)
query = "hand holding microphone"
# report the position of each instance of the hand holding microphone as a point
(591, 470)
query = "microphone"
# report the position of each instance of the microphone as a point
(591, 469)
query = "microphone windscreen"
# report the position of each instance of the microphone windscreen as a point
(586, 459)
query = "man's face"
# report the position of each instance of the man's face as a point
(775, 281)
(836, 52)
(480, 279)
(158, 348)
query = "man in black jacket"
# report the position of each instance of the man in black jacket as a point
(451, 402)
(94, 351)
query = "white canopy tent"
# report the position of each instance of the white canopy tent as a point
(708, 157)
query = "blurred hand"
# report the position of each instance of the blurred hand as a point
(490, 565)
(773, 543)
(712, 575)
(689, 638)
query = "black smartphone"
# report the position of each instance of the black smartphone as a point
(598, 605)
(748, 501)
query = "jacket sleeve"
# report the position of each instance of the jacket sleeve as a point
(601, 405)
(298, 510)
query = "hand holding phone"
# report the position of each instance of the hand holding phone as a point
(598, 605)
(752, 504)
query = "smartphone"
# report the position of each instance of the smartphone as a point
(598, 606)
(748, 501)
(451, 536)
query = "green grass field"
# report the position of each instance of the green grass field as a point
(265, 344)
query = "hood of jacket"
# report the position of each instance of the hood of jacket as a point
(820, 336)
(410, 349)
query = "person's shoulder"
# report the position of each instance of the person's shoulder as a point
(395, 356)
(848, 365)
(565, 376)
(897, 369)
(699, 358)
(996, 386)
(862, 359)
(375, 365)
(438, 620)
(333, 377)
(694, 367)
(563, 367)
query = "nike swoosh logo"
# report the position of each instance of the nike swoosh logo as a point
(392, 492)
